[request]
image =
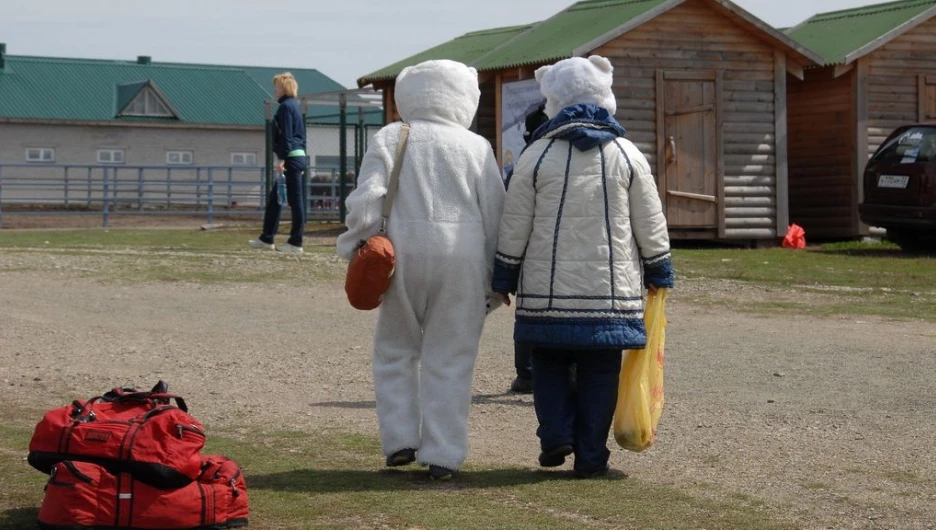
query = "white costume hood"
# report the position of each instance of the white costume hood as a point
(577, 81)
(438, 91)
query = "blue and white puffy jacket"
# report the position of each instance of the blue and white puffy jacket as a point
(583, 231)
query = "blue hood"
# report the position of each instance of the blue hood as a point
(585, 126)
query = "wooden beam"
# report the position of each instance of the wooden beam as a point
(499, 118)
(796, 70)
(720, 152)
(694, 196)
(389, 103)
(861, 141)
(842, 69)
(525, 72)
(921, 98)
(780, 139)
(484, 77)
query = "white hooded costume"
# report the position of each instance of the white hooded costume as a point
(443, 227)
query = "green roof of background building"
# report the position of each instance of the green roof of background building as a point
(465, 49)
(838, 34)
(559, 36)
(63, 89)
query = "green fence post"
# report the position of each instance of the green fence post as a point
(343, 151)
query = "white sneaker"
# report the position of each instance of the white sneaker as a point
(262, 245)
(289, 249)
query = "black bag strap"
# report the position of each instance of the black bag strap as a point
(159, 395)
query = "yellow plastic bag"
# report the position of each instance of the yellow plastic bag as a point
(640, 391)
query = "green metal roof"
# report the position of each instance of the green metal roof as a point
(558, 37)
(838, 34)
(87, 90)
(95, 90)
(466, 49)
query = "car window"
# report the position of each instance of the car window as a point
(915, 145)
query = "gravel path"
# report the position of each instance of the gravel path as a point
(828, 422)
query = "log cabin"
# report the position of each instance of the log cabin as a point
(701, 87)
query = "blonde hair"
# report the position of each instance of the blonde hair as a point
(287, 83)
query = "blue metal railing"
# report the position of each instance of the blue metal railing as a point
(70, 189)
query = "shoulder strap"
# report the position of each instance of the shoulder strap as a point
(394, 182)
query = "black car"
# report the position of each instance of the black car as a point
(900, 187)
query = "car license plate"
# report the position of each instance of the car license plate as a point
(893, 181)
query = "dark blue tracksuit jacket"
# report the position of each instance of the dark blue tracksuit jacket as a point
(289, 131)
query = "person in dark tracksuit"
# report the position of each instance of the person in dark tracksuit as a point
(289, 145)
(523, 383)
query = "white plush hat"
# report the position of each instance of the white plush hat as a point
(577, 81)
(442, 90)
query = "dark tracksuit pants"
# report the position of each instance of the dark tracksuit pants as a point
(295, 169)
(576, 413)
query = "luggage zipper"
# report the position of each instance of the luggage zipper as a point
(187, 428)
(55, 482)
(75, 473)
(234, 492)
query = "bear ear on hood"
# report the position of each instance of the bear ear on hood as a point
(473, 71)
(602, 63)
(541, 71)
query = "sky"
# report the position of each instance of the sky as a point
(344, 39)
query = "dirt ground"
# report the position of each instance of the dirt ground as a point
(826, 422)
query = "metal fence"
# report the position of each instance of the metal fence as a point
(105, 190)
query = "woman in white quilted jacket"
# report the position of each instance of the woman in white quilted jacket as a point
(583, 232)
(443, 227)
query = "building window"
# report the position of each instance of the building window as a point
(243, 159)
(179, 157)
(148, 103)
(40, 154)
(110, 156)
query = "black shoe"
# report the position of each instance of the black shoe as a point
(522, 386)
(403, 457)
(441, 473)
(556, 456)
(607, 472)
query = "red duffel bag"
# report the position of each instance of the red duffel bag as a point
(139, 433)
(82, 495)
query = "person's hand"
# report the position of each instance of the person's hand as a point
(281, 166)
(503, 297)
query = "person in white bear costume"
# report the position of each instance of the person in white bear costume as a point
(582, 221)
(444, 230)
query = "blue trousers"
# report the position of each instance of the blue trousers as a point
(523, 361)
(578, 413)
(295, 169)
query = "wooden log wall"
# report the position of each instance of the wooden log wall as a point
(821, 152)
(694, 37)
(897, 76)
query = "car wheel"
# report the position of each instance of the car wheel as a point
(909, 241)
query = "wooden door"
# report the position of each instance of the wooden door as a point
(690, 150)
(926, 99)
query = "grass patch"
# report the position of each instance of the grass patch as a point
(836, 279)
(135, 256)
(146, 239)
(848, 278)
(905, 477)
(303, 481)
(856, 265)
